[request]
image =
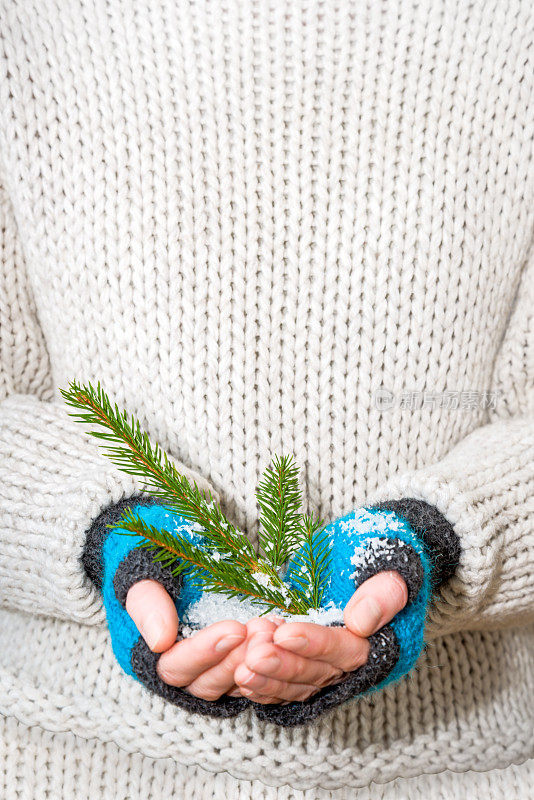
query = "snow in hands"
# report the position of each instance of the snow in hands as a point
(209, 609)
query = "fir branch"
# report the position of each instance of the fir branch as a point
(208, 569)
(229, 564)
(279, 499)
(131, 451)
(311, 567)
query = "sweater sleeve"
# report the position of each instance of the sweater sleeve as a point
(484, 487)
(54, 481)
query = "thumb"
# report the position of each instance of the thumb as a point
(375, 603)
(154, 614)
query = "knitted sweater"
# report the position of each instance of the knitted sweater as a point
(268, 227)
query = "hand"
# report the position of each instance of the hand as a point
(373, 548)
(143, 601)
(204, 664)
(293, 661)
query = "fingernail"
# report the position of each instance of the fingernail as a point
(259, 680)
(227, 642)
(249, 676)
(152, 629)
(366, 614)
(292, 642)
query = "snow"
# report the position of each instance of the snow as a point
(366, 554)
(364, 521)
(262, 579)
(214, 607)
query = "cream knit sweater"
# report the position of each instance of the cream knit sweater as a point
(268, 226)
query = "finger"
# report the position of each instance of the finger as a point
(154, 614)
(261, 689)
(269, 660)
(275, 618)
(187, 659)
(259, 629)
(375, 603)
(261, 625)
(337, 646)
(219, 680)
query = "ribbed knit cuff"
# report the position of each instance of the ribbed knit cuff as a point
(57, 482)
(99, 530)
(435, 532)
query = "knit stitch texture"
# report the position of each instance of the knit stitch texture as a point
(267, 228)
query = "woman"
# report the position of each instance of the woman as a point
(270, 227)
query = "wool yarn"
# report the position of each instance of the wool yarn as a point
(268, 227)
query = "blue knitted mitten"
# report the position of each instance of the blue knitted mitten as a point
(408, 536)
(115, 562)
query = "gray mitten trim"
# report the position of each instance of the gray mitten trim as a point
(383, 655)
(96, 535)
(139, 566)
(440, 540)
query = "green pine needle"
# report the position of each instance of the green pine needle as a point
(132, 452)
